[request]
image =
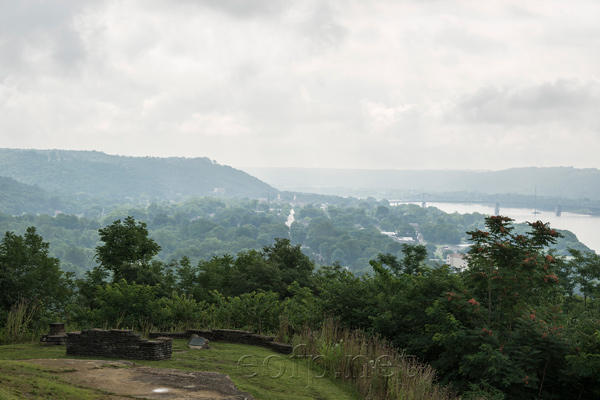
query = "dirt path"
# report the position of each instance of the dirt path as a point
(127, 378)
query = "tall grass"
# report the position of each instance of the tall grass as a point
(19, 320)
(375, 368)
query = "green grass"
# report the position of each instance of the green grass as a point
(21, 380)
(256, 374)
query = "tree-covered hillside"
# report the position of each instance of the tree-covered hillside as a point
(17, 198)
(100, 175)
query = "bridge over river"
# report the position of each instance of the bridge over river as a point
(509, 201)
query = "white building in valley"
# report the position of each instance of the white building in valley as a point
(457, 260)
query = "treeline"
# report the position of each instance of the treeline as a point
(349, 233)
(521, 322)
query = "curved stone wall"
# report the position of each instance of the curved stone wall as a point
(229, 335)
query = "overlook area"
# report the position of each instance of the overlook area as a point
(406, 194)
(334, 275)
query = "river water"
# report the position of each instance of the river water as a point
(585, 227)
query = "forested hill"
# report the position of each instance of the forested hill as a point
(17, 198)
(564, 182)
(97, 174)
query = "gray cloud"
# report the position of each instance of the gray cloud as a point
(236, 8)
(566, 100)
(322, 26)
(245, 8)
(378, 84)
(38, 34)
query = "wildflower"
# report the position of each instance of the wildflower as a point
(473, 302)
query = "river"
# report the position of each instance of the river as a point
(585, 227)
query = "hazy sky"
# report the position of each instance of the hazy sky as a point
(404, 84)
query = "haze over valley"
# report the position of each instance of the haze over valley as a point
(384, 187)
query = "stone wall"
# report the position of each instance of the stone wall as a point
(56, 336)
(231, 336)
(118, 343)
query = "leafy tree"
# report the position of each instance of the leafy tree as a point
(505, 328)
(27, 270)
(402, 301)
(294, 265)
(253, 272)
(411, 263)
(346, 297)
(127, 251)
(124, 304)
(586, 268)
(509, 271)
(584, 362)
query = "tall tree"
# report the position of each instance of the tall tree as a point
(291, 261)
(28, 271)
(505, 329)
(127, 250)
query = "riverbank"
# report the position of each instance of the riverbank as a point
(585, 227)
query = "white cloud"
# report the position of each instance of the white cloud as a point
(214, 125)
(381, 118)
(378, 84)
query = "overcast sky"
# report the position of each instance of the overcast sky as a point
(311, 83)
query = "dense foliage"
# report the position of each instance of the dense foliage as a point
(520, 322)
(349, 232)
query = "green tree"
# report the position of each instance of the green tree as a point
(505, 328)
(346, 297)
(411, 262)
(127, 251)
(586, 267)
(27, 270)
(295, 266)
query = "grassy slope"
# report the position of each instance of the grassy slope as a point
(21, 380)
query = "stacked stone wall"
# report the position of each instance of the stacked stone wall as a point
(118, 343)
(231, 336)
(56, 336)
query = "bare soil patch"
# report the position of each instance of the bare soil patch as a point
(128, 378)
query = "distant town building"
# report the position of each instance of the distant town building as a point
(457, 260)
(395, 237)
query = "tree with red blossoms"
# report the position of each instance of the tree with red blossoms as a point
(504, 330)
(510, 272)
